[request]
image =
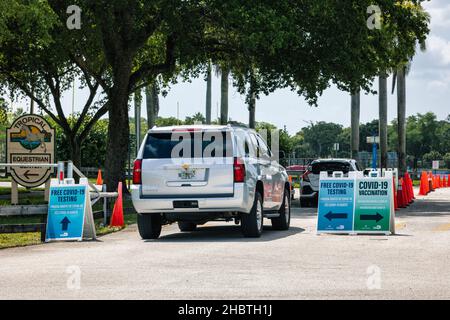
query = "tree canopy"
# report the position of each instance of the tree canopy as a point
(123, 45)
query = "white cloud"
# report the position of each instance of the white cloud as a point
(440, 14)
(439, 49)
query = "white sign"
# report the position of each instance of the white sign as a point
(30, 140)
(435, 165)
(373, 139)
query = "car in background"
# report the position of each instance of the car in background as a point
(309, 185)
(295, 173)
(224, 173)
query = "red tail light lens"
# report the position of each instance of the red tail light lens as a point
(137, 172)
(305, 176)
(238, 170)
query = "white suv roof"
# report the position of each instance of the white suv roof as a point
(195, 127)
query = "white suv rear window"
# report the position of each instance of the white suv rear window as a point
(161, 145)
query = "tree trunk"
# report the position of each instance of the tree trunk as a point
(137, 118)
(355, 115)
(224, 96)
(382, 98)
(118, 127)
(152, 101)
(401, 109)
(75, 152)
(208, 95)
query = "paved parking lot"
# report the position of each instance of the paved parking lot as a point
(216, 262)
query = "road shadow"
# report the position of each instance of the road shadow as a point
(425, 208)
(222, 233)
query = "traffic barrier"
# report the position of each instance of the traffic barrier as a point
(99, 178)
(117, 219)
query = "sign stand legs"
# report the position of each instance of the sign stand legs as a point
(14, 193)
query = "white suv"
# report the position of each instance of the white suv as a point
(195, 174)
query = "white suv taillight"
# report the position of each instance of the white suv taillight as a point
(137, 172)
(238, 170)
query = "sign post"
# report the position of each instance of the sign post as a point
(30, 140)
(336, 202)
(374, 204)
(356, 204)
(70, 214)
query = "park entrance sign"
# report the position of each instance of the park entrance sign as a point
(30, 140)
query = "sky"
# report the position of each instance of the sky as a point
(428, 89)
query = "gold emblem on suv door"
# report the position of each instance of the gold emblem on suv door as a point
(186, 172)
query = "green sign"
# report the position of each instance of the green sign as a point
(373, 205)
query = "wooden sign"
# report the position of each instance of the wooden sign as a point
(30, 140)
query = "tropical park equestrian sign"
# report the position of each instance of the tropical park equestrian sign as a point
(30, 140)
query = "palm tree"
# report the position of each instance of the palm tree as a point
(224, 74)
(382, 99)
(252, 102)
(400, 78)
(355, 116)
(152, 101)
(137, 118)
(208, 94)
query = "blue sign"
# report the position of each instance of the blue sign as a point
(66, 212)
(336, 201)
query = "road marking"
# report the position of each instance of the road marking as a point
(443, 227)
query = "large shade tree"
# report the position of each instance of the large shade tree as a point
(303, 45)
(35, 63)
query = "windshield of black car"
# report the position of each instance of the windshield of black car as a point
(331, 166)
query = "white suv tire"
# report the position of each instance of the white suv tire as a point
(284, 220)
(149, 226)
(253, 222)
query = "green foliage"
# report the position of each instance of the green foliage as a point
(196, 118)
(3, 112)
(446, 159)
(432, 156)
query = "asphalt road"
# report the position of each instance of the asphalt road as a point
(217, 263)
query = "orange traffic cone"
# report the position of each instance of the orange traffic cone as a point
(431, 181)
(423, 191)
(409, 192)
(400, 195)
(405, 192)
(444, 182)
(441, 182)
(117, 215)
(99, 178)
